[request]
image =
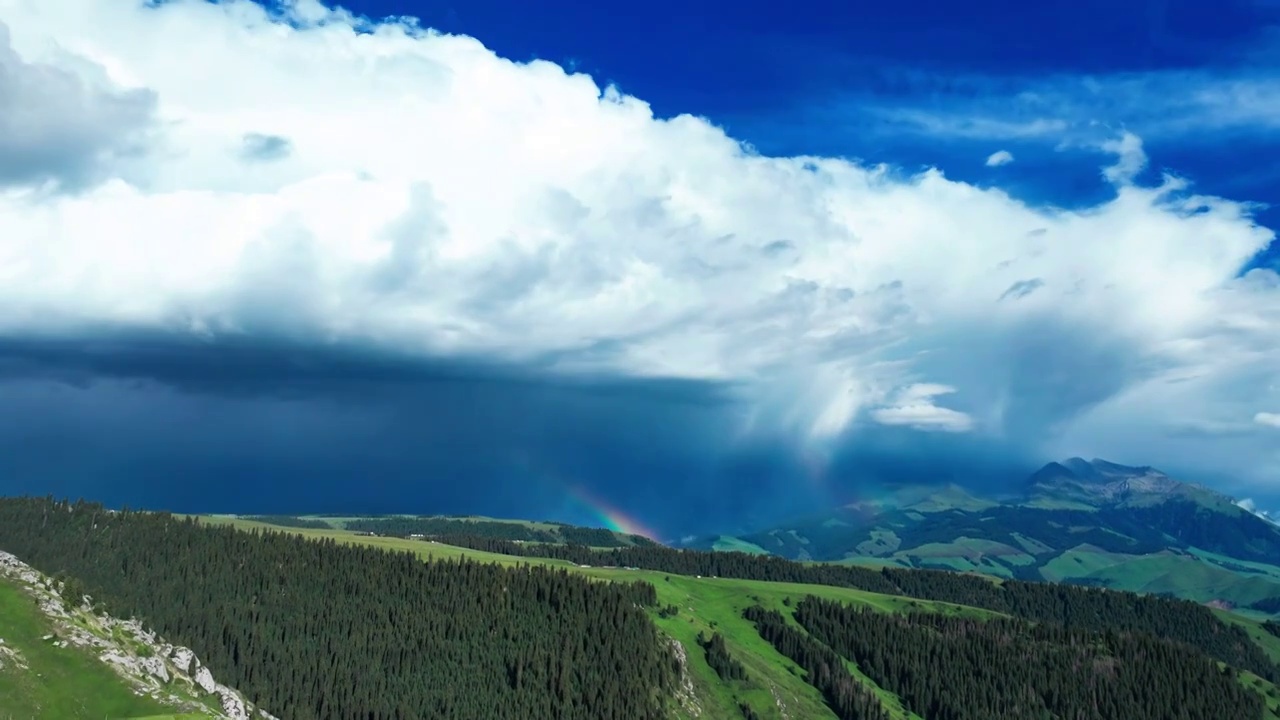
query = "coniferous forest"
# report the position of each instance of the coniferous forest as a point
(824, 668)
(719, 659)
(952, 668)
(291, 521)
(318, 630)
(493, 529)
(314, 629)
(1067, 605)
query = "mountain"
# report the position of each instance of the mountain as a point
(1098, 483)
(320, 623)
(1088, 522)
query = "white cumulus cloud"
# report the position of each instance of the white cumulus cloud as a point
(1269, 419)
(330, 179)
(999, 157)
(1248, 505)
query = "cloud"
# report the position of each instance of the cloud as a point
(1248, 505)
(64, 125)
(1270, 419)
(999, 157)
(272, 426)
(432, 209)
(1130, 159)
(913, 406)
(1021, 289)
(1157, 105)
(264, 148)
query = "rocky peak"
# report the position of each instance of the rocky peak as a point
(1098, 480)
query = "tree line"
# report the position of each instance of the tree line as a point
(824, 668)
(719, 659)
(436, 527)
(1093, 609)
(290, 521)
(316, 630)
(726, 667)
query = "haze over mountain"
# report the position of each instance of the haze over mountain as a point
(289, 258)
(1087, 522)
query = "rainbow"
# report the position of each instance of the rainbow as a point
(612, 518)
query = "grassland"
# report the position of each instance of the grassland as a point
(1198, 576)
(1192, 574)
(706, 605)
(63, 683)
(726, 543)
(340, 522)
(70, 683)
(1269, 692)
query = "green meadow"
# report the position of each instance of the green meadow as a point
(705, 605)
(58, 683)
(68, 683)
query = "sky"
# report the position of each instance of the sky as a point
(701, 266)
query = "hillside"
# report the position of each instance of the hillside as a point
(705, 605)
(59, 659)
(1082, 522)
(729, 657)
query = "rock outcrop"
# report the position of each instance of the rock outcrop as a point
(685, 694)
(170, 674)
(11, 657)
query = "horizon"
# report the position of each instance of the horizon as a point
(702, 268)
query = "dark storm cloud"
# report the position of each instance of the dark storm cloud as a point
(1039, 374)
(279, 369)
(1021, 289)
(885, 457)
(268, 427)
(251, 425)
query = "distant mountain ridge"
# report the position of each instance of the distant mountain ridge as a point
(439, 525)
(1102, 482)
(1090, 522)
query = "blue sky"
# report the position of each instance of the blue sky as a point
(934, 83)
(716, 265)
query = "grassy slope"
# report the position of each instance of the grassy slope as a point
(73, 684)
(715, 605)
(63, 683)
(1201, 579)
(1200, 576)
(726, 543)
(706, 605)
(341, 522)
(1271, 644)
(1081, 561)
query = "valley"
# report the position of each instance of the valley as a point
(690, 361)
(699, 601)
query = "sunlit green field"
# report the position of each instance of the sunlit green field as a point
(705, 605)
